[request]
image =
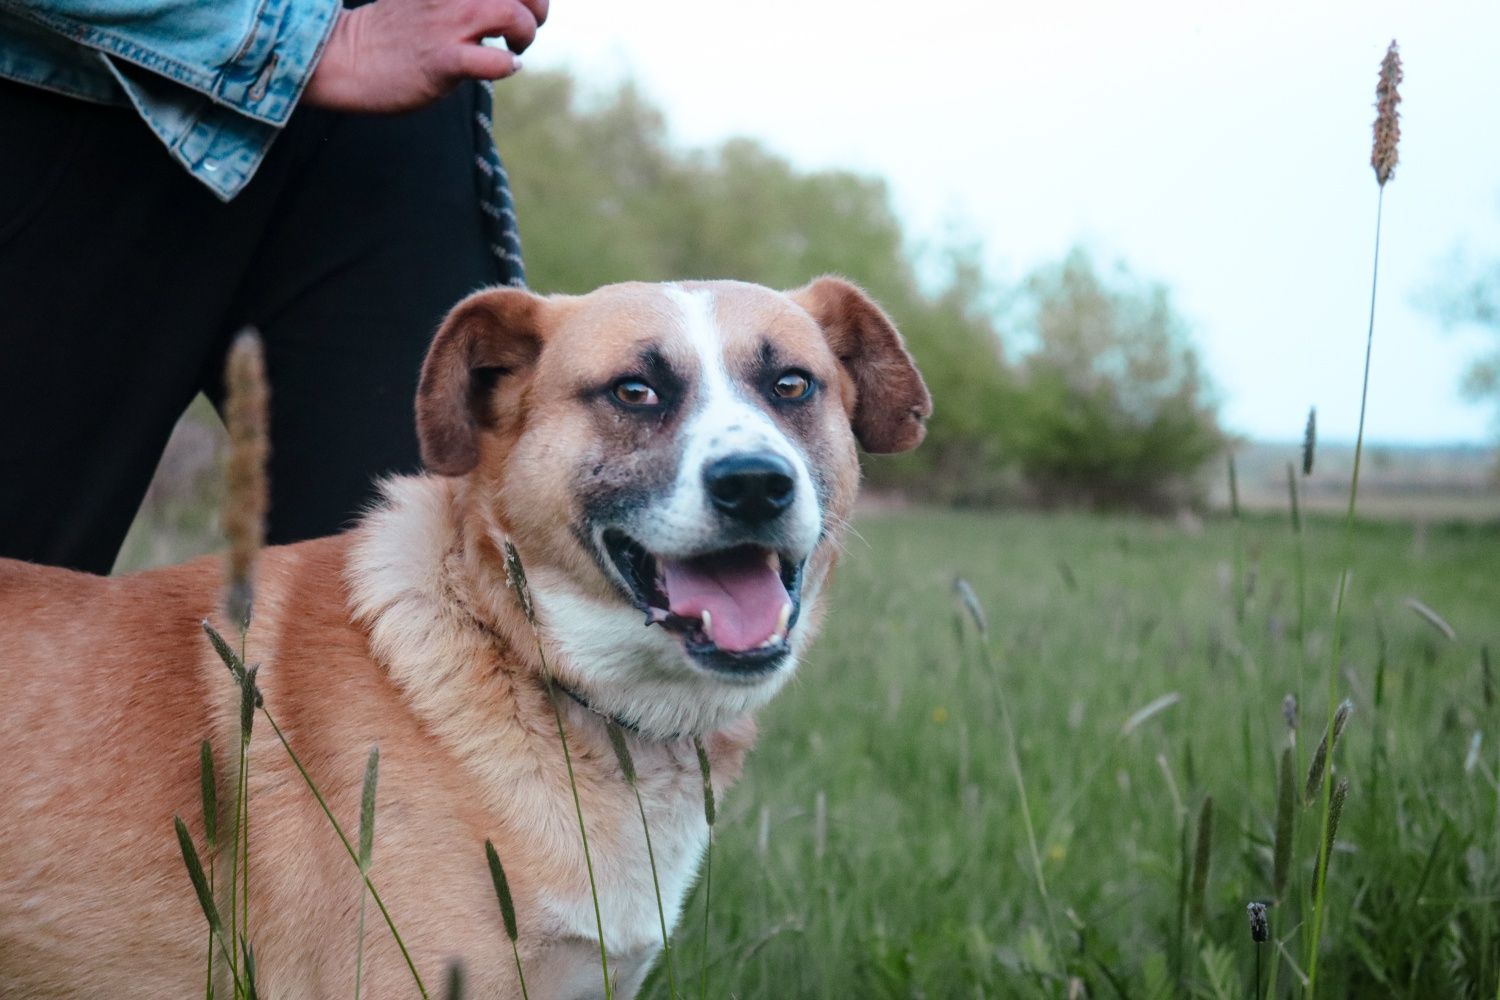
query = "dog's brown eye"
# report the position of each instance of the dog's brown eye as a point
(634, 392)
(793, 385)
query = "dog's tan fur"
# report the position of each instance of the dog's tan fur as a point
(401, 633)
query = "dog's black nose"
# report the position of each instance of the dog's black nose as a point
(753, 487)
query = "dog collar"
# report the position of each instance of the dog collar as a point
(625, 724)
(502, 644)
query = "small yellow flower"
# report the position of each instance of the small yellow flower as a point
(1056, 852)
(940, 715)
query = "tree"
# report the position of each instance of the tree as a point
(1476, 300)
(1115, 408)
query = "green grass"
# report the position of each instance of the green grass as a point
(926, 887)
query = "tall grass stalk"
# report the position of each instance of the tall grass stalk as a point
(709, 813)
(366, 849)
(507, 909)
(247, 719)
(516, 575)
(237, 669)
(1299, 575)
(1202, 856)
(249, 953)
(1260, 933)
(1239, 544)
(240, 847)
(209, 789)
(1013, 758)
(246, 419)
(1286, 808)
(194, 867)
(1383, 159)
(627, 769)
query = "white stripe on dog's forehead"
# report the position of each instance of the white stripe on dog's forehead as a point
(701, 330)
(723, 420)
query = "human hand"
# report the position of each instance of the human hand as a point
(396, 55)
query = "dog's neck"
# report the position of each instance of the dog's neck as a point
(480, 622)
(427, 578)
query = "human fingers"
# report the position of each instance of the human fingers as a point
(508, 19)
(538, 10)
(482, 62)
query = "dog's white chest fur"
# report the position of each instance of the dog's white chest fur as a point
(441, 662)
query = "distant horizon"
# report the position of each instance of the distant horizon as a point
(1480, 446)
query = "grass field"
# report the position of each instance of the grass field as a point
(876, 846)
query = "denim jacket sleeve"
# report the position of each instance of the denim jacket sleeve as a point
(214, 80)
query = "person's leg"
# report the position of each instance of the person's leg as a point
(115, 270)
(375, 237)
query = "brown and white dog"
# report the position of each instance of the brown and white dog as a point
(674, 463)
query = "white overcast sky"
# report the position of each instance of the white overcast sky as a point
(1220, 148)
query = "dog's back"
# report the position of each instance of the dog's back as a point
(87, 784)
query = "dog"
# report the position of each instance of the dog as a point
(674, 465)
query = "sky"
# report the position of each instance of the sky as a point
(1222, 149)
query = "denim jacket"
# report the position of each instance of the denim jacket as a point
(214, 79)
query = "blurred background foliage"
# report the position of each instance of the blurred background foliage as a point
(1079, 386)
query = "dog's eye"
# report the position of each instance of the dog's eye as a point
(793, 385)
(634, 392)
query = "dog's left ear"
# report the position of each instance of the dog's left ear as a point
(891, 402)
(483, 351)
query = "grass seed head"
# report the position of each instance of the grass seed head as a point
(249, 698)
(1260, 929)
(231, 659)
(1383, 156)
(1432, 618)
(195, 875)
(367, 809)
(210, 793)
(708, 785)
(1309, 440)
(1321, 754)
(970, 602)
(1335, 811)
(1286, 803)
(502, 890)
(622, 750)
(454, 989)
(515, 575)
(245, 411)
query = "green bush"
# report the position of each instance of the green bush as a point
(1113, 407)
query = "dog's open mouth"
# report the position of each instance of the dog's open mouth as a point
(732, 609)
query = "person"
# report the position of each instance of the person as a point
(171, 172)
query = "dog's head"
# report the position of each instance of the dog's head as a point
(675, 464)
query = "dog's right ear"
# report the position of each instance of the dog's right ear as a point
(490, 339)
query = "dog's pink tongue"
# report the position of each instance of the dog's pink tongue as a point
(740, 591)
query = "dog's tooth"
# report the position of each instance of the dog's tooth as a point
(708, 624)
(782, 622)
(773, 561)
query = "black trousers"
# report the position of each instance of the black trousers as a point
(122, 281)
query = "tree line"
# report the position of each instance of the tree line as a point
(1079, 386)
